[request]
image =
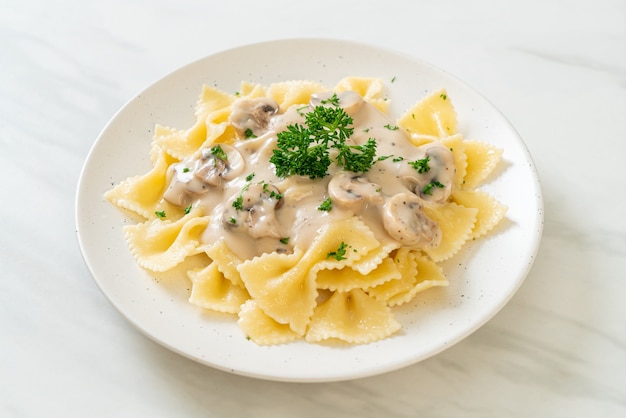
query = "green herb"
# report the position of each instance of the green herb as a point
(393, 79)
(238, 203)
(219, 153)
(443, 96)
(274, 195)
(188, 209)
(421, 165)
(232, 220)
(428, 189)
(285, 240)
(305, 149)
(340, 253)
(397, 159)
(391, 127)
(326, 205)
(249, 133)
(250, 176)
(186, 170)
(357, 158)
(333, 100)
(160, 213)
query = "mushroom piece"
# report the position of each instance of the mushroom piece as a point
(433, 184)
(254, 210)
(219, 162)
(193, 177)
(352, 191)
(250, 117)
(405, 221)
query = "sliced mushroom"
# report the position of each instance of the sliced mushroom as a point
(193, 177)
(256, 211)
(352, 191)
(405, 221)
(219, 162)
(434, 184)
(251, 116)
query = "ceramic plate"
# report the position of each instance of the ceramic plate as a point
(483, 277)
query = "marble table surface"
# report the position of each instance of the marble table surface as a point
(557, 71)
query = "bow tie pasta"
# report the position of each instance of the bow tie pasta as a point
(317, 212)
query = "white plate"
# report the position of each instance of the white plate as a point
(482, 278)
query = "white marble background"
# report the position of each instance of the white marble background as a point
(557, 70)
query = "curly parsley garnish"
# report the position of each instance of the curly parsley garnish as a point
(357, 158)
(305, 149)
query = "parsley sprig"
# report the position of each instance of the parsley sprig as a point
(305, 149)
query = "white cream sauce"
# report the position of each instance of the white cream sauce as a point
(256, 212)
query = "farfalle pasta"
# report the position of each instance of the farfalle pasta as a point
(317, 212)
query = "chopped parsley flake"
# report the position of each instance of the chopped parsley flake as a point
(326, 205)
(391, 127)
(249, 133)
(160, 213)
(397, 159)
(428, 189)
(274, 195)
(421, 165)
(188, 209)
(238, 203)
(250, 176)
(285, 240)
(219, 153)
(232, 220)
(443, 96)
(333, 100)
(186, 170)
(340, 254)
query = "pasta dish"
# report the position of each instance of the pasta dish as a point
(314, 210)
